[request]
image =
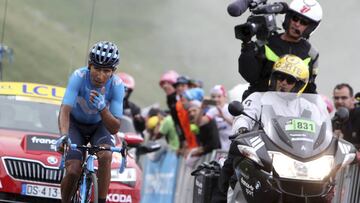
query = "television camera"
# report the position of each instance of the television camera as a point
(261, 22)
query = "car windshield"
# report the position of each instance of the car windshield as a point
(19, 114)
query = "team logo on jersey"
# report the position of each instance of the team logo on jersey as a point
(80, 73)
(117, 81)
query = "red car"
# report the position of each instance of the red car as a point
(29, 166)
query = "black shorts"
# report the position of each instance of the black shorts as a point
(82, 134)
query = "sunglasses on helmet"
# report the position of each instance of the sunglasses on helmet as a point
(289, 79)
(303, 21)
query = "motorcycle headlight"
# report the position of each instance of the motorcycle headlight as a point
(128, 177)
(315, 170)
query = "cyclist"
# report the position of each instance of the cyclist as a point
(130, 108)
(92, 104)
(257, 58)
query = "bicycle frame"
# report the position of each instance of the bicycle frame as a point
(84, 188)
(88, 168)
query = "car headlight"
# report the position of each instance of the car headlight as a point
(290, 168)
(128, 177)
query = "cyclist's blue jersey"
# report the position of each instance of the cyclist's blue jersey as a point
(77, 96)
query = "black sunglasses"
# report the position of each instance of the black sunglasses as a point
(303, 21)
(289, 79)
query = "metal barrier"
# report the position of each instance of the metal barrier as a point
(347, 189)
(184, 181)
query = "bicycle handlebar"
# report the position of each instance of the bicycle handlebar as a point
(95, 149)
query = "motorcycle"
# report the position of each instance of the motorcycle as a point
(291, 155)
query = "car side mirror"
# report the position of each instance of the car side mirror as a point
(133, 140)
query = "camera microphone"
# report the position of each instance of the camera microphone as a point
(342, 114)
(238, 7)
(277, 7)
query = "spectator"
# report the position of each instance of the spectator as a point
(161, 125)
(357, 99)
(152, 126)
(219, 114)
(188, 139)
(130, 108)
(167, 83)
(193, 94)
(208, 135)
(343, 96)
(193, 83)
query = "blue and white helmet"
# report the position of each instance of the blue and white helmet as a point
(104, 54)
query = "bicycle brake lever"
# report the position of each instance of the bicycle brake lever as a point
(62, 163)
(124, 160)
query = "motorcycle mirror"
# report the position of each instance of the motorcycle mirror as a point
(236, 108)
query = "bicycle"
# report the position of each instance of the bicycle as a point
(87, 184)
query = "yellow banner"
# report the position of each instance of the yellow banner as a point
(32, 90)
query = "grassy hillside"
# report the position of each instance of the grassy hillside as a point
(51, 38)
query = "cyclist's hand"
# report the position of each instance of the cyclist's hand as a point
(60, 143)
(97, 100)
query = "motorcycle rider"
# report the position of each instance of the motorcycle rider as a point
(257, 58)
(290, 74)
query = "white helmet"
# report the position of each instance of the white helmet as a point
(309, 9)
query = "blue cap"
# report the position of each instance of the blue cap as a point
(194, 94)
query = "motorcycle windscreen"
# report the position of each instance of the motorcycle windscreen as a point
(299, 125)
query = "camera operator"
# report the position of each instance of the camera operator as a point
(257, 58)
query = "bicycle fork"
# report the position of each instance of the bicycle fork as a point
(89, 168)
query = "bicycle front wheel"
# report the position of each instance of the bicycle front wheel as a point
(86, 188)
(95, 186)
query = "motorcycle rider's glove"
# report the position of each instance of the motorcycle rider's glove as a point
(99, 102)
(249, 47)
(240, 131)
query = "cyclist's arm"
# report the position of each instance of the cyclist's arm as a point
(110, 116)
(111, 123)
(69, 100)
(64, 119)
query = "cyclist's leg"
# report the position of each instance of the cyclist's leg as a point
(103, 137)
(72, 164)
